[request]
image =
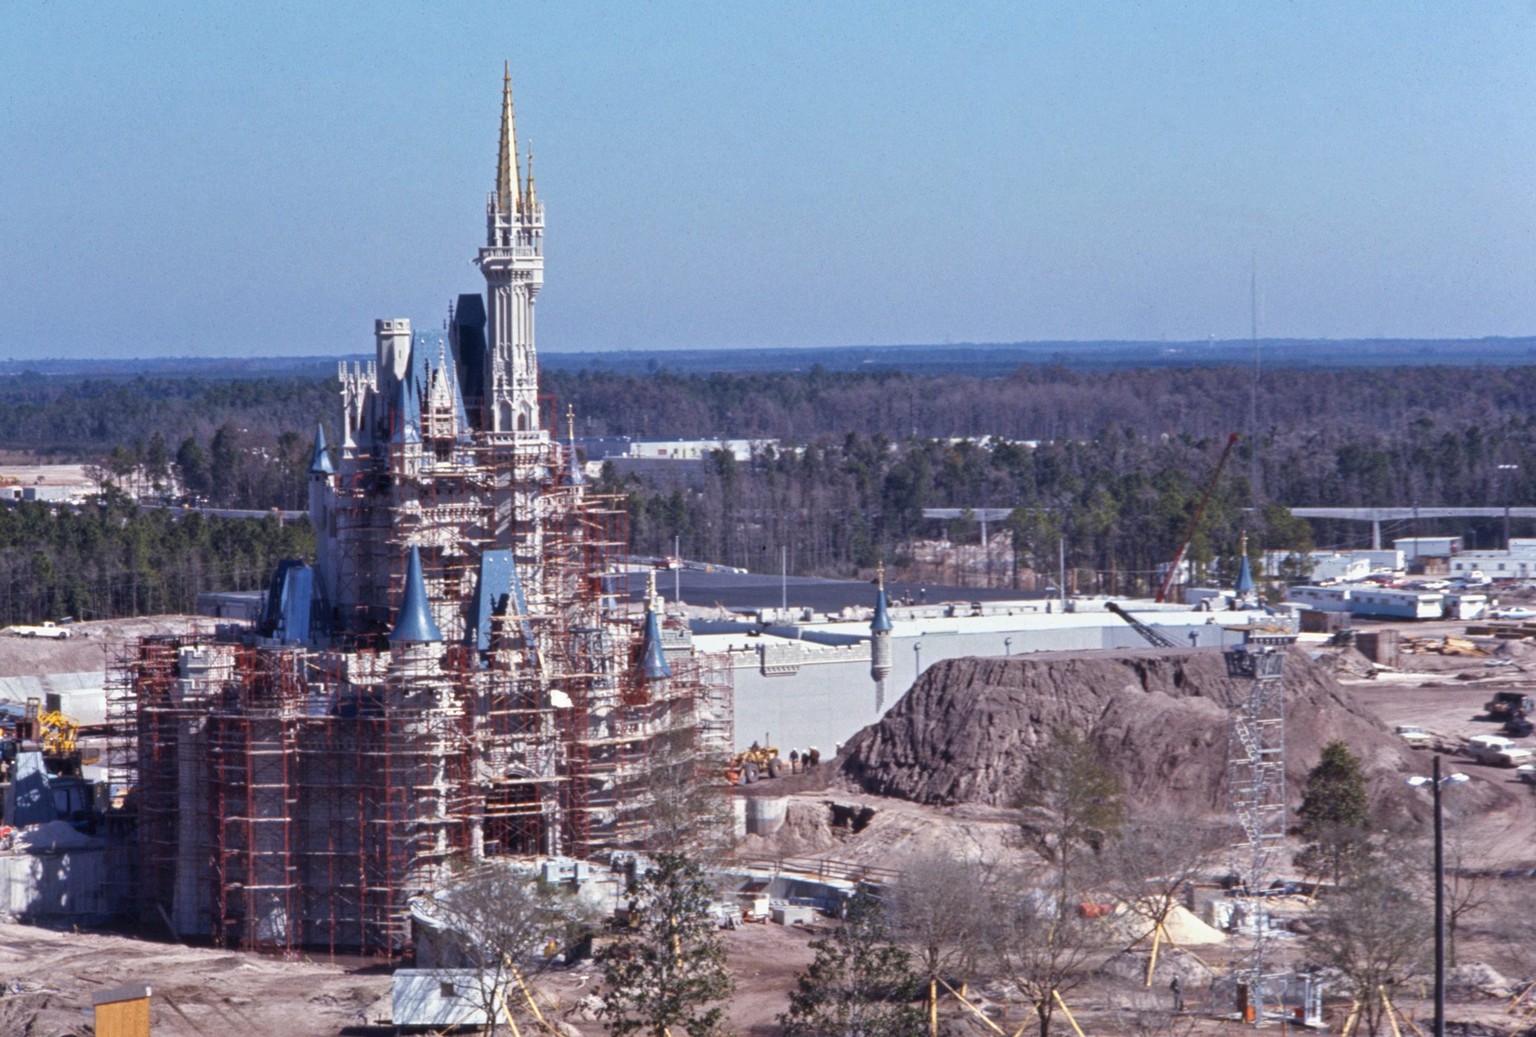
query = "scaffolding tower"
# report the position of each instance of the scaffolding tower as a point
(1256, 780)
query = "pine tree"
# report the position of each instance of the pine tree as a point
(670, 973)
(858, 985)
(1335, 814)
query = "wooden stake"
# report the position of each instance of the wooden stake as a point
(1157, 936)
(1068, 1013)
(979, 1013)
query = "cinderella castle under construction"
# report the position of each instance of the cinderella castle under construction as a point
(458, 674)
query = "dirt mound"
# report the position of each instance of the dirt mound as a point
(970, 729)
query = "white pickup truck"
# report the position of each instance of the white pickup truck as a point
(1487, 748)
(46, 629)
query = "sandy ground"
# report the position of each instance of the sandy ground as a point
(89, 644)
(48, 979)
(1445, 696)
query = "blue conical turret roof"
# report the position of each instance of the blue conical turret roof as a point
(415, 622)
(1244, 573)
(653, 660)
(407, 416)
(881, 624)
(320, 460)
(1244, 578)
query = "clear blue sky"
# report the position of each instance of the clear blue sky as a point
(267, 178)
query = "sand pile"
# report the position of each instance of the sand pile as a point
(969, 730)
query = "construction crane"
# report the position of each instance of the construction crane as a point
(1194, 522)
(1154, 637)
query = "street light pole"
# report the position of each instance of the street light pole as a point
(1436, 782)
(1440, 901)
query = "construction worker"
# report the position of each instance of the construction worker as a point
(1178, 994)
(794, 761)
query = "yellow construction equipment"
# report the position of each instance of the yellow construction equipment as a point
(54, 732)
(757, 762)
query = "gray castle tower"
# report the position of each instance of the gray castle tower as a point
(880, 641)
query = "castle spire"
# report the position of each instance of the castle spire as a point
(507, 173)
(573, 476)
(532, 203)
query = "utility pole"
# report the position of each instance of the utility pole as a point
(1506, 469)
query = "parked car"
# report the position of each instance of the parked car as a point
(1526, 772)
(1515, 757)
(1518, 725)
(1514, 612)
(1415, 736)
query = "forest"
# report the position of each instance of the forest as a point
(1106, 467)
(115, 558)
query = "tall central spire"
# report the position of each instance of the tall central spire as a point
(507, 173)
(513, 264)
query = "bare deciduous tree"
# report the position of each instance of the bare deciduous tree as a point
(937, 908)
(1375, 931)
(678, 798)
(1151, 862)
(499, 921)
(1040, 939)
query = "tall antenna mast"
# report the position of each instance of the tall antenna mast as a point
(1253, 394)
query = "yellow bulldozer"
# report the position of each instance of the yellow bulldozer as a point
(755, 763)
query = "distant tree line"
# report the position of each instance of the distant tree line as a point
(113, 558)
(1119, 467)
(1045, 402)
(1116, 469)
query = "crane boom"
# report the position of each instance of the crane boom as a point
(1194, 522)
(1156, 638)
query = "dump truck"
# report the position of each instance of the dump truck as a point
(1506, 703)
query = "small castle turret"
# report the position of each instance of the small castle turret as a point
(653, 658)
(880, 640)
(1244, 592)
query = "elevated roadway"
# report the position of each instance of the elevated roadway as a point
(1376, 516)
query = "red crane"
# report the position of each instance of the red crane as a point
(1194, 522)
